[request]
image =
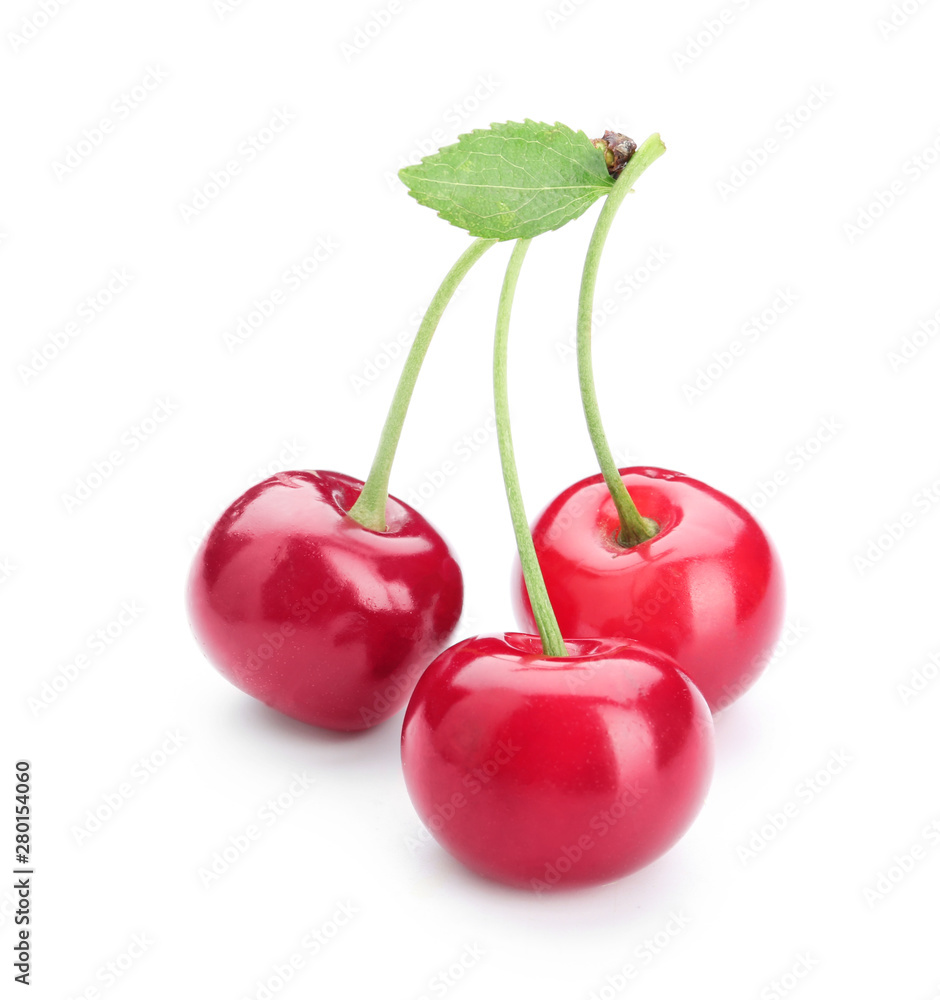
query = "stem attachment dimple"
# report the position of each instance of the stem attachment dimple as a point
(369, 508)
(552, 642)
(634, 528)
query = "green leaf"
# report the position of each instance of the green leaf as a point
(511, 180)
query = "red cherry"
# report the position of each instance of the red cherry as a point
(707, 589)
(323, 619)
(540, 771)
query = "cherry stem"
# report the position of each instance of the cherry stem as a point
(634, 528)
(552, 642)
(369, 508)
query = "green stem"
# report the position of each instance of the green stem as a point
(369, 508)
(552, 642)
(634, 528)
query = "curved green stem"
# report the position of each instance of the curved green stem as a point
(634, 528)
(552, 642)
(369, 508)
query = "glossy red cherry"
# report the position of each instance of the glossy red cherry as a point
(707, 589)
(545, 771)
(328, 622)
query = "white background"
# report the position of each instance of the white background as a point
(855, 683)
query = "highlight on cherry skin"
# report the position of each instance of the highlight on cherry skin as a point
(323, 619)
(707, 588)
(544, 772)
